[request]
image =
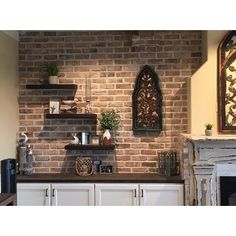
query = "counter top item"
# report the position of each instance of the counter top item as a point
(98, 178)
(7, 199)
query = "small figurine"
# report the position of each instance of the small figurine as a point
(24, 140)
(88, 108)
(70, 106)
(76, 139)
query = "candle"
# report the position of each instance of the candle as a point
(87, 89)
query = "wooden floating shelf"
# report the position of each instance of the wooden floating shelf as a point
(89, 147)
(71, 116)
(51, 86)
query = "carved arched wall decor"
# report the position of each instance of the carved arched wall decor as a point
(147, 101)
(227, 84)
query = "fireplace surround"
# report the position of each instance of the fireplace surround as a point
(205, 159)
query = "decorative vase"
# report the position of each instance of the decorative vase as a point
(208, 132)
(53, 80)
(106, 137)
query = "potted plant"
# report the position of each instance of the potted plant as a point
(208, 130)
(52, 69)
(109, 120)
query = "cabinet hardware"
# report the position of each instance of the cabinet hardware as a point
(135, 193)
(46, 192)
(141, 192)
(53, 192)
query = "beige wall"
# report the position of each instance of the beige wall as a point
(8, 95)
(203, 88)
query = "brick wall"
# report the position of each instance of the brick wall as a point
(112, 60)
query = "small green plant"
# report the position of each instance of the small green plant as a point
(109, 120)
(209, 126)
(51, 68)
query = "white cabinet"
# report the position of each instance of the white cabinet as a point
(72, 194)
(33, 194)
(38, 194)
(161, 194)
(116, 194)
(139, 194)
(112, 194)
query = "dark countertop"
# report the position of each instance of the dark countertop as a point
(98, 178)
(7, 199)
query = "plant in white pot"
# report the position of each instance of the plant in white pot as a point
(109, 121)
(208, 130)
(52, 69)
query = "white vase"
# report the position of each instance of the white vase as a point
(53, 80)
(208, 132)
(106, 137)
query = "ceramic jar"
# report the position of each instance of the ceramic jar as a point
(208, 132)
(106, 137)
(53, 80)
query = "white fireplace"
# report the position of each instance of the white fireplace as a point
(205, 159)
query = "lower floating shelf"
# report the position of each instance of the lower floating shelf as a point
(71, 115)
(89, 147)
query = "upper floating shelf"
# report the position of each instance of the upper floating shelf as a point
(72, 116)
(51, 86)
(89, 147)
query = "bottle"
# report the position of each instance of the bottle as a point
(22, 159)
(29, 161)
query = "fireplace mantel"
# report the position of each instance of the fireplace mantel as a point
(200, 155)
(201, 137)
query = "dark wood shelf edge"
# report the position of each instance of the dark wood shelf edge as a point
(71, 116)
(89, 147)
(51, 86)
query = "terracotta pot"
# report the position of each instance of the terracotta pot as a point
(53, 80)
(208, 132)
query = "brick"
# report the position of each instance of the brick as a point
(148, 152)
(123, 170)
(149, 164)
(132, 164)
(139, 158)
(123, 158)
(131, 152)
(124, 146)
(123, 86)
(140, 170)
(156, 146)
(41, 170)
(42, 158)
(113, 59)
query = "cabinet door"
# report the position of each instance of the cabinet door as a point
(116, 194)
(33, 194)
(72, 194)
(161, 195)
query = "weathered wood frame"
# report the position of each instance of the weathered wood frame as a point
(223, 64)
(146, 70)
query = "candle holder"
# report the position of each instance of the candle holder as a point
(88, 108)
(88, 94)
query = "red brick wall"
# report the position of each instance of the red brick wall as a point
(112, 59)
